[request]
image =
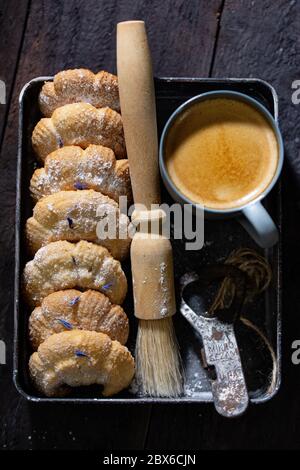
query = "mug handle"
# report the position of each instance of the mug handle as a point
(260, 226)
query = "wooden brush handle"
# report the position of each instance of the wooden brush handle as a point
(137, 100)
(152, 276)
(152, 268)
(151, 253)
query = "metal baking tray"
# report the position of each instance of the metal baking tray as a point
(221, 237)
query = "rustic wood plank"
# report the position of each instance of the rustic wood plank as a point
(71, 427)
(256, 39)
(265, 46)
(70, 34)
(82, 33)
(13, 16)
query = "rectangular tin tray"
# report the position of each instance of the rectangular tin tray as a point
(221, 237)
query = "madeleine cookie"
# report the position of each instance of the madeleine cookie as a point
(77, 215)
(64, 265)
(80, 85)
(71, 309)
(71, 168)
(76, 358)
(79, 124)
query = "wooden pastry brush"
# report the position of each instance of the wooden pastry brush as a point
(158, 368)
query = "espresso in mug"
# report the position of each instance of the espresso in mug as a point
(221, 153)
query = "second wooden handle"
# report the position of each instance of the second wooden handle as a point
(137, 99)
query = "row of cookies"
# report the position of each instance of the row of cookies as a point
(75, 281)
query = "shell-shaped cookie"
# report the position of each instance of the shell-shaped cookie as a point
(80, 85)
(75, 358)
(71, 168)
(64, 265)
(71, 309)
(79, 124)
(79, 215)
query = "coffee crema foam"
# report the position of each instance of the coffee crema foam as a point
(221, 153)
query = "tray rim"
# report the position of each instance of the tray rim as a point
(206, 397)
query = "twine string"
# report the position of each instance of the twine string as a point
(259, 276)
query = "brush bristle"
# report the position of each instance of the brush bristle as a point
(158, 364)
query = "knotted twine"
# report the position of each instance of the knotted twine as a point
(259, 274)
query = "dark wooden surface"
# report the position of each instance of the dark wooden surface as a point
(237, 38)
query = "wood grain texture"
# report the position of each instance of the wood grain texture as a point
(61, 34)
(82, 33)
(265, 46)
(257, 39)
(254, 39)
(13, 15)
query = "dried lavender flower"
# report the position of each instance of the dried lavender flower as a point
(107, 286)
(74, 301)
(80, 186)
(70, 222)
(79, 353)
(65, 323)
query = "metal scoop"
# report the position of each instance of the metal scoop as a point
(220, 350)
